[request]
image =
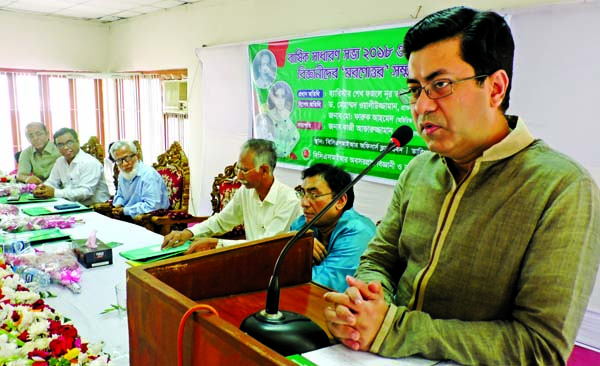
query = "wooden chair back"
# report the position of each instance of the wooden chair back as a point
(94, 148)
(174, 168)
(223, 188)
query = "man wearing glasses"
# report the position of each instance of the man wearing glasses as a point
(490, 246)
(264, 205)
(141, 189)
(36, 161)
(76, 175)
(341, 234)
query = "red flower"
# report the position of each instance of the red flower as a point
(58, 347)
(54, 327)
(39, 353)
(83, 346)
(24, 336)
(68, 331)
(39, 363)
(15, 317)
(38, 305)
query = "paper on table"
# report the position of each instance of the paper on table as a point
(340, 355)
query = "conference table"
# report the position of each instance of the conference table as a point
(98, 284)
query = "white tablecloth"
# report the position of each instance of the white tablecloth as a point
(98, 284)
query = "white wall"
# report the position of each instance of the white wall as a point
(36, 42)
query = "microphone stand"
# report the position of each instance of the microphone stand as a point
(287, 332)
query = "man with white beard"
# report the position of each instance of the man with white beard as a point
(141, 189)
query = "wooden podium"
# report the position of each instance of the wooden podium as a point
(233, 281)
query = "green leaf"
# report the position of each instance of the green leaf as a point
(113, 307)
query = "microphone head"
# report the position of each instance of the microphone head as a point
(402, 135)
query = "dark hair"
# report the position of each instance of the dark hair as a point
(486, 40)
(17, 156)
(289, 95)
(264, 152)
(64, 131)
(335, 177)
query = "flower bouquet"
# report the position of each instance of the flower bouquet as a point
(33, 333)
(11, 188)
(61, 266)
(8, 210)
(14, 224)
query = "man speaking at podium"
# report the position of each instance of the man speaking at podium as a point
(490, 247)
(264, 205)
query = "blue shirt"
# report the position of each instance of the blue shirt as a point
(348, 241)
(145, 193)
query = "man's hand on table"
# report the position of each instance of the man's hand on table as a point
(176, 238)
(355, 316)
(43, 191)
(202, 244)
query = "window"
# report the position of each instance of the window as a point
(109, 107)
(85, 96)
(7, 149)
(60, 103)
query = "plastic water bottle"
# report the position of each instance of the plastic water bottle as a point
(34, 277)
(12, 245)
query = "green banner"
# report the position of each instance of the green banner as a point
(334, 99)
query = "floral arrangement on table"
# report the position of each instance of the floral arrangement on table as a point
(61, 265)
(8, 210)
(12, 223)
(8, 188)
(33, 333)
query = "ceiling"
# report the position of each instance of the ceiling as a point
(99, 10)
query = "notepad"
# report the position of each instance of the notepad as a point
(26, 198)
(341, 355)
(153, 253)
(40, 211)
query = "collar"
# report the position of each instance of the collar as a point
(272, 195)
(518, 139)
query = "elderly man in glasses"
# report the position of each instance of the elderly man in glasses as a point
(140, 189)
(76, 175)
(490, 246)
(37, 160)
(264, 205)
(341, 234)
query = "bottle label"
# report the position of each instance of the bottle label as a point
(14, 247)
(28, 277)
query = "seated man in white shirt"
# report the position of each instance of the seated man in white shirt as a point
(265, 206)
(76, 175)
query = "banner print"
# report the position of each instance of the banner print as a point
(334, 99)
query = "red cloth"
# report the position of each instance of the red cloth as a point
(583, 357)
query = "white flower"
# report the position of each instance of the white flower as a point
(21, 362)
(18, 316)
(38, 328)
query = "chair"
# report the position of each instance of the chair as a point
(223, 188)
(173, 166)
(94, 148)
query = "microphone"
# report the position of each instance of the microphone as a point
(286, 332)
